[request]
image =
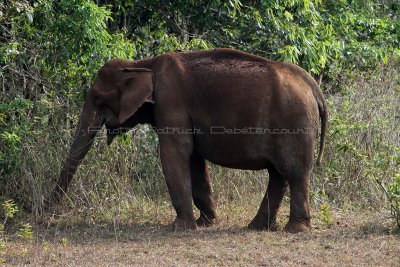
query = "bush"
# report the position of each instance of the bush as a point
(363, 147)
(51, 53)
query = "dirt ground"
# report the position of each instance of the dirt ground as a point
(355, 239)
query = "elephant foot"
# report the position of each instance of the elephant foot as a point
(206, 221)
(181, 224)
(295, 227)
(259, 225)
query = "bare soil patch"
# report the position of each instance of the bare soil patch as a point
(355, 239)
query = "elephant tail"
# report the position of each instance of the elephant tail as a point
(323, 114)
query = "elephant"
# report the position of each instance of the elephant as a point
(225, 106)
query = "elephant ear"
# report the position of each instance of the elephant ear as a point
(136, 89)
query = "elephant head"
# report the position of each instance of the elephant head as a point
(117, 100)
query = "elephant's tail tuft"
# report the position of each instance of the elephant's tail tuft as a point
(323, 114)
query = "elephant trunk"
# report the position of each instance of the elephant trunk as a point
(90, 121)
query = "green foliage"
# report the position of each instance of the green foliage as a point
(322, 36)
(64, 241)
(392, 191)
(3, 249)
(13, 134)
(50, 56)
(9, 211)
(77, 37)
(326, 215)
(25, 232)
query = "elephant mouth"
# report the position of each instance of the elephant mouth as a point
(114, 131)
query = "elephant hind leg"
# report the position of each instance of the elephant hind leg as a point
(266, 215)
(299, 218)
(202, 191)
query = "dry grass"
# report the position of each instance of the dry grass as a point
(357, 239)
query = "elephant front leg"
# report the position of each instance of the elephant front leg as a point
(202, 191)
(175, 159)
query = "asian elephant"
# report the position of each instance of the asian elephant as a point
(231, 108)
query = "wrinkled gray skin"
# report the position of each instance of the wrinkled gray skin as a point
(208, 92)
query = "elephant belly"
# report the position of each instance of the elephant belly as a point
(257, 143)
(233, 150)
